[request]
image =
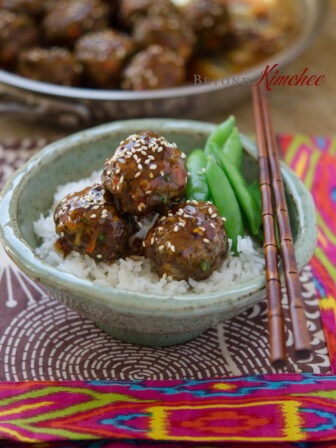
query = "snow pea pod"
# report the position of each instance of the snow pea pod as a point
(225, 200)
(255, 192)
(197, 187)
(233, 148)
(239, 185)
(220, 134)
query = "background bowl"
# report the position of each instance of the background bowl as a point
(82, 106)
(142, 318)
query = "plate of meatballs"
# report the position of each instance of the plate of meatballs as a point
(80, 62)
(135, 44)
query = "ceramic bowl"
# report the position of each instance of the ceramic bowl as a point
(147, 319)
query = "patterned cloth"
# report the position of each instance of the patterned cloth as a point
(269, 408)
(41, 339)
(314, 160)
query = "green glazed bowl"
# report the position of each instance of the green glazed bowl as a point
(147, 319)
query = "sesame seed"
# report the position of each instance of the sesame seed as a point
(137, 174)
(93, 216)
(99, 256)
(161, 248)
(205, 240)
(214, 215)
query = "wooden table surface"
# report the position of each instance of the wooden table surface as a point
(309, 110)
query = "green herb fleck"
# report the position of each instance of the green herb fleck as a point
(205, 266)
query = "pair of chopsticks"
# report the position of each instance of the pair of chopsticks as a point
(272, 191)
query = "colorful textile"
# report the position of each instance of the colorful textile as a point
(152, 444)
(268, 408)
(314, 160)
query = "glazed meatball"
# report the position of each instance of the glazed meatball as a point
(17, 31)
(130, 11)
(189, 242)
(210, 21)
(31, 7)
(54, 65)
(103, 55)
(154, 68)
(89, 223)
(145, 174)
(168, 32)
(67, 20)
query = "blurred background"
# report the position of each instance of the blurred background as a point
(305, 110)
(309, 110)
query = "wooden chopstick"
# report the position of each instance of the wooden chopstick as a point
(271, 185)
(273, 284)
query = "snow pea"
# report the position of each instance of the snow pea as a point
(240, 187)
(225, 200)
(220, 134)
(197, 187)
(246, 200)
(255, 192)
(233, 148)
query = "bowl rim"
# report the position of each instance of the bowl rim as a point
(314, 10)
(128, 301)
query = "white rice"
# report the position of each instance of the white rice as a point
(136, 274)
